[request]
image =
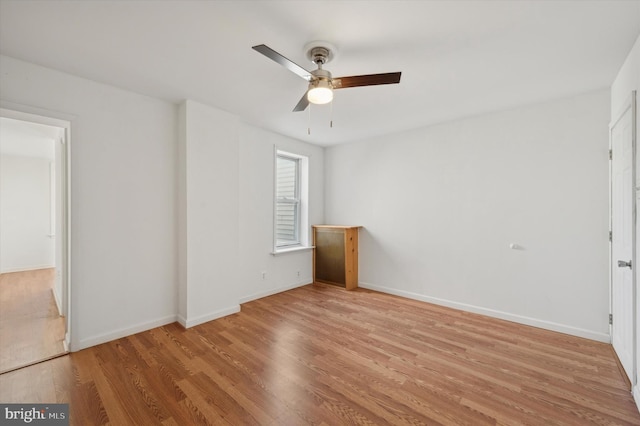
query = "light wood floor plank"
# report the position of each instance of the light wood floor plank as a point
(31, 329)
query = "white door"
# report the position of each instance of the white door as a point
(623, 236)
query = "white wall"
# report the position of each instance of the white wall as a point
(25, 214)
(628, 79)
(286, 270)
(441, 205)
(226, 181)
(209, 218)
(123, 195)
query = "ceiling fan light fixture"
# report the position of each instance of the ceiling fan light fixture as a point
(320, 95)
(320, 88)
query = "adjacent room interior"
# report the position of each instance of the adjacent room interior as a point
(478, 198)
(32, 300)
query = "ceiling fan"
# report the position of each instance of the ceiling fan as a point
(321, 84)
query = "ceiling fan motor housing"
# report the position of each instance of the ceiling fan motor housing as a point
(320, 74)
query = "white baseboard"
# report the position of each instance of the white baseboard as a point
(547, 325)
(636, 395)
(122, 332)
(181, 320)
(25, 269)
(191, 322)
(260, 295)
(128, 331)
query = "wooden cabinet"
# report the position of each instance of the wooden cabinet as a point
(335, 256)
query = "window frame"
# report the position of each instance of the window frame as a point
(300, 201)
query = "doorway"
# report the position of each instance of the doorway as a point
(34, 243)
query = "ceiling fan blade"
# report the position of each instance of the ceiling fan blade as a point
(366, 80)
(275, 56)
(303, 103)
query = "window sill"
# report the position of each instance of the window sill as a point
(291, 250)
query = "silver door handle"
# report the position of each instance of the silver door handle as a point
(623, 264)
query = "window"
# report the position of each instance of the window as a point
(290, 201)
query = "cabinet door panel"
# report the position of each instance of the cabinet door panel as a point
(330, 261)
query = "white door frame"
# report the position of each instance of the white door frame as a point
(629, 105)
(34, 115)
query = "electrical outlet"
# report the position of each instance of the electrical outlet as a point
(264, 275)
(298, 274)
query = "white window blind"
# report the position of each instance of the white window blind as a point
(287, 212)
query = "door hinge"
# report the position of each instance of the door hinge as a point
(610, 319)
(610, 236)
(610, 154)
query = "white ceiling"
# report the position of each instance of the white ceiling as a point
(458, 58)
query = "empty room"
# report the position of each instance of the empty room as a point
(325, 212)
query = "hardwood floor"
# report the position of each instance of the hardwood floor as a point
(31, 329)
(322, 355)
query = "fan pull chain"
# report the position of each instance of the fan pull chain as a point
(331, 115)
(309, 121)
